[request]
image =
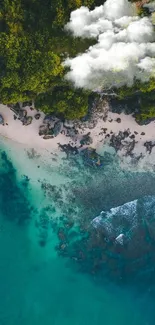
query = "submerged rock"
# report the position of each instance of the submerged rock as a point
(128, 220)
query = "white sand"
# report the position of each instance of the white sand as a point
(29, 137)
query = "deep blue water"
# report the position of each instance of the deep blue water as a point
(40, 282)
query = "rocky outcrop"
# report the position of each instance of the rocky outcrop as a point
(58, 126)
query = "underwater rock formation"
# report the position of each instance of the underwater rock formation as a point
(119, 243)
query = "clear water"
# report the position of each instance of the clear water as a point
(37, 285)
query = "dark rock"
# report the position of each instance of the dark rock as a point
(22, 114)
(27, 120)
(126, 133)
(104, 130)
(1, 119)
(118, 120)
(43, 129)
(143, 133)
(68, 149)
(86, 140)
(116, 140)
(37, 116)
(27, 104)
(130, 148)
(46, 137)
(149, 145)
(58, 126)
(48, 119)
(135, 132)
(132, 136)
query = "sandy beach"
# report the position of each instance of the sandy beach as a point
(100, 134)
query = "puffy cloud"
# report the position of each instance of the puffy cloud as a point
(125, 47)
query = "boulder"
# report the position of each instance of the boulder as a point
(43, 129)
(58, 126)
(37, 116)
(118, 120)
(48, 119)
(27, 120)
(22, 114)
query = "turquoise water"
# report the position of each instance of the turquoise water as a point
(39, 286)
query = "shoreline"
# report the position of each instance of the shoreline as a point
(120, 132)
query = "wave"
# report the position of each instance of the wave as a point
(123, 222)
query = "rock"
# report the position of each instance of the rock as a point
(58, 126)
(127, 221)
(42, 129)
(68, 149)
(27, 104)
(132, 136)
(143, 133)
(135, 132)
(71, 132)
(118, 120)
(15, 117)
(68, 124)
(46, 137)
(22, 114)
(1, 119)
(86, 140)
(27, 120)
(37, 116)
(48, 119)
(104, 130)
(149, 145)
(130, 147)
(116, 140)
(126, 133)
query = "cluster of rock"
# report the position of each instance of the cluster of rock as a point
(99, 110)
(53, 126)
(118, 141)
(20, 113)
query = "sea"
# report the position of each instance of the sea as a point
(51, 271)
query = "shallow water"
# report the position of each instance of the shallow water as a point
(37, 285)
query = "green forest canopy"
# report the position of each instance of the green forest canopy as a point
(32, 45)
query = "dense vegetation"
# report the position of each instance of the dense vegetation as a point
(32, 47)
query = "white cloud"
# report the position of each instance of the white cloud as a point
(125, 47)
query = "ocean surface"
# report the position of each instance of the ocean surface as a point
(48, 274)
